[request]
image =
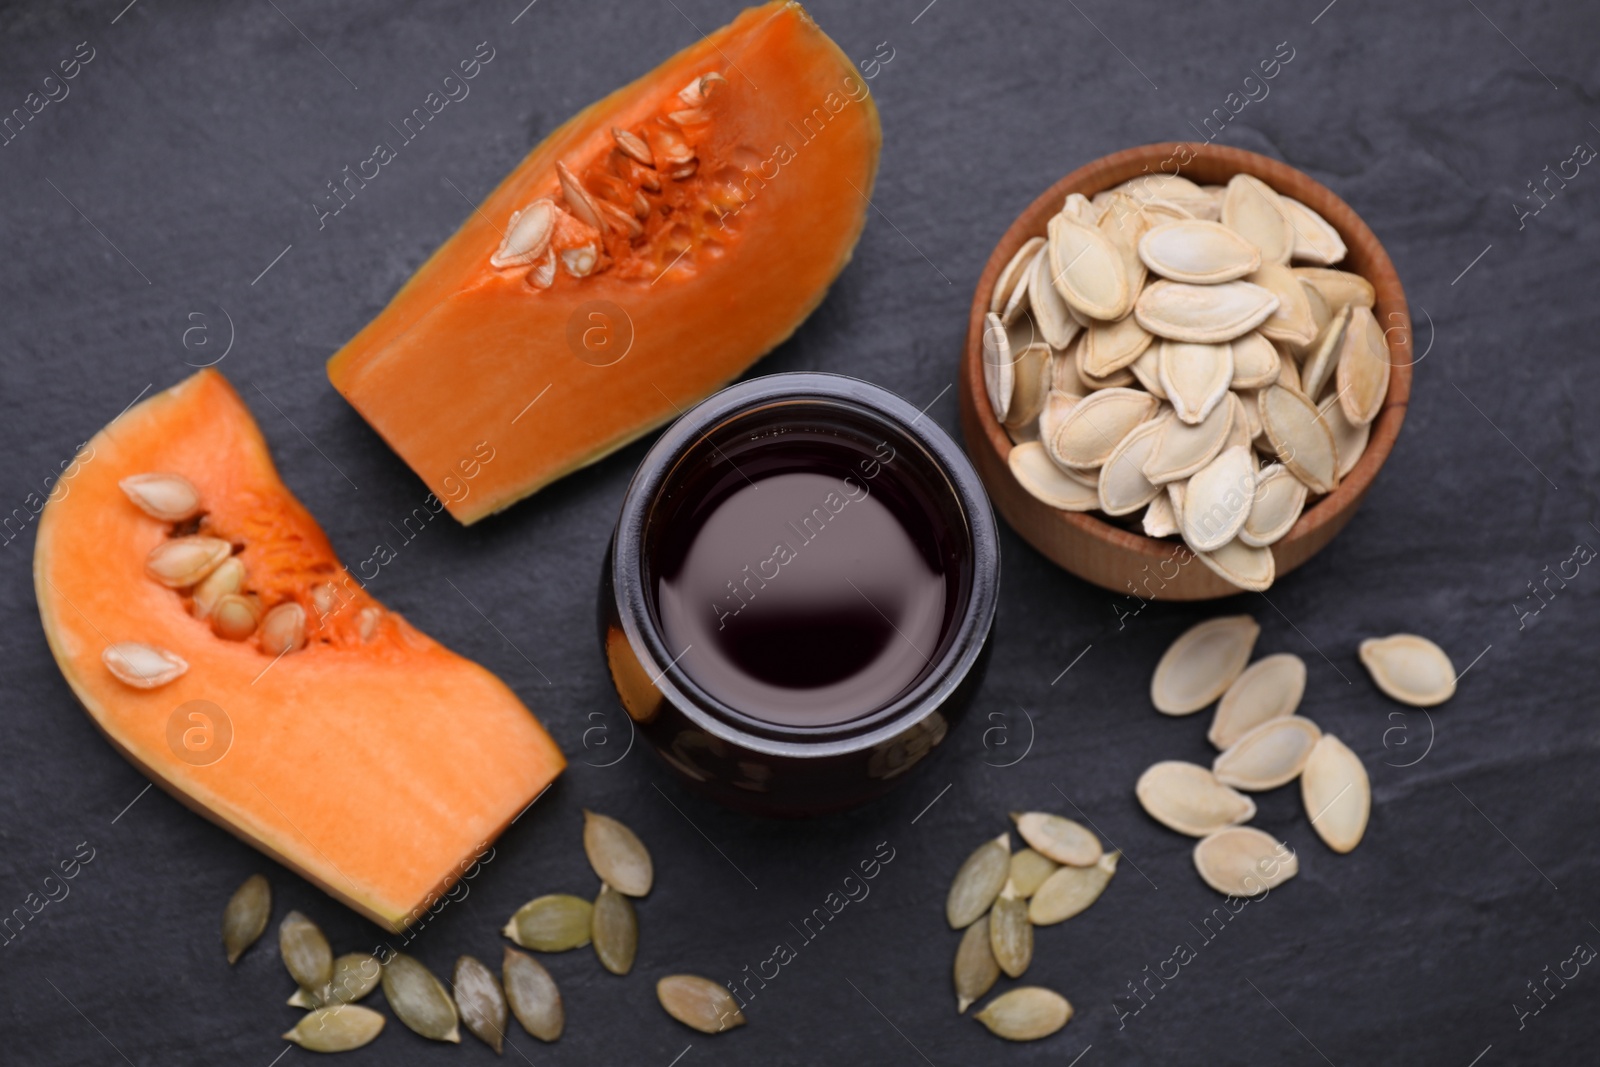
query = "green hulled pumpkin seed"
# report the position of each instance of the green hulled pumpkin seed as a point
(355, 974)
(1026, 1014)
(615, 929)
(336, 1029)
(418, 999)
(1029, 869)
(481, 1000)
(1010, 933)
(976, 970)
(617, 855)
(533, 996)
(246, 915)
(555, 922)
(305, 951)
(699, 1003)
(1070, 890)
(978, 882)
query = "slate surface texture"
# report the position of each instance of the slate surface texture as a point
(173, 189)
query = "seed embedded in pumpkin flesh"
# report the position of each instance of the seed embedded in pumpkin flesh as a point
(283, 629)
(182, 561)
(164, 496)
(142, 666)
(227, 578)
(235, 617)
(633, 146)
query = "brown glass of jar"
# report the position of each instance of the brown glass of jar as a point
(811, 675)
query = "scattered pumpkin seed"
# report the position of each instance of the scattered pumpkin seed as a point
(1029, 869)
(1070, 890)
(165, 496)
(1269, 755)
(339, 1028)
(978, 882)
(1202, 663)
(699, 1003)
(1026, 1013)
(617, 855)
(976, 970)
(1058, 838)
(419, 1000)
(355, 974)
(615, 930)
(245, 917)
(1337, 794)
(1010, 933)
(555, 922)
(1188, 798)
(481, 1001)
(532, 995)
(1241, 861)
(305, 951)
(1270, 688)
(1411, 669)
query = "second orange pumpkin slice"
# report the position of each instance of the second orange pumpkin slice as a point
(645, 254)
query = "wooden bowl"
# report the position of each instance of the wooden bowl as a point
(1119, 559)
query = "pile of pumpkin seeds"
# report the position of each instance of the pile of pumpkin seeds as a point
(1157, 358)
(998, 897)
(1263, 744)
(329, 988)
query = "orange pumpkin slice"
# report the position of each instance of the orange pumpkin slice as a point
(642, 256)
(367, 757)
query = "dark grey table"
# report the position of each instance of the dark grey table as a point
(173, 189)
